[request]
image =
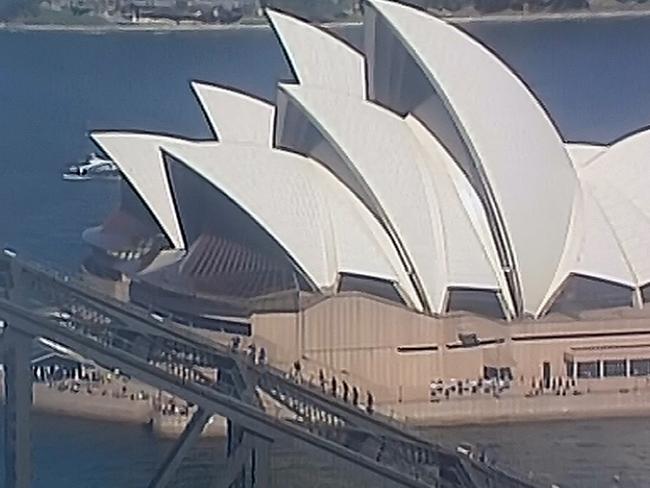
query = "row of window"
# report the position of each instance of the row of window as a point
(610, 368)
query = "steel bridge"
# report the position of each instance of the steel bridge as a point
(170, 356)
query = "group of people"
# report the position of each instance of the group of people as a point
(255, 355)
(338, 389)
(182, 371)
(172, 408)
(559, 386)
(94, 382)
(446, 389)
(48, 373)
(342, 389)
(440, 389)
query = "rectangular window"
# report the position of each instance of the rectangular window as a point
(640, 367)
(588, 369)
(614, 367)
(490, 372)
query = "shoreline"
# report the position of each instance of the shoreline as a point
(119, 410)
(511, 410)
(156, 27)
(418, 415)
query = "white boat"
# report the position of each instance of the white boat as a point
(93, 168)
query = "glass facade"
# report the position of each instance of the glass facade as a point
(584, 293)
(588, 369)
(614, 367)
(640, 367)
(481, 302)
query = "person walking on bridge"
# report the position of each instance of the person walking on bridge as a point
(370, 400)
(346, 391)
(297, 371)
(355, 396)
(261, 359)
(252, 352)
(334, 386)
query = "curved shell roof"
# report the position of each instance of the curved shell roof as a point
(400, 173)
(582, 154)
(513, 141)
(404, 177)
(319, 62)
(251, 119)
(316, 219)
(611, 234)
(392, 203)
(619, 179)
(139, 159)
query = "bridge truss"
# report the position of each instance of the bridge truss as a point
(172, 357)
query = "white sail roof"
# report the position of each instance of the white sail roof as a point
(510, 136)
(619, 180)
(235, 117)
(471, 257)
(611, 235)
(582, 154)
(601, 253)
(317, 220)
(319, 62)
(412, 185)
(414, 189)
(138, 158)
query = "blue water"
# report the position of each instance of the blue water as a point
(592, 76)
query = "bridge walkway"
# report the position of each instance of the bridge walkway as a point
(118, 333)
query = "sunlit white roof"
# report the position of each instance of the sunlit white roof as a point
(316, 219)
(610, 237)
(138, 158)
(249, 120)
(428, 206)
(439, 238)
(582, 154)
(619, 179)
(471, 259)
(319, 62)
(512, 139)
(401, 174)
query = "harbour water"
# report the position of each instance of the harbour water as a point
(593, 77)
(580, 454)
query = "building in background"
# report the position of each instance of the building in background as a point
(402, 214)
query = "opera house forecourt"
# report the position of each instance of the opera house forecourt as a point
(403, 214)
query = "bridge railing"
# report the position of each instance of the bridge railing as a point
(378, 427)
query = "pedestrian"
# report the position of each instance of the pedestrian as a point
(334, 389)
(251, 351)
(321, 379)
(346, 391)
(297, 368)
(355, 396)
(370, 400)
(262, 357)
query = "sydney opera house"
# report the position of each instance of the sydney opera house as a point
(403, 212)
